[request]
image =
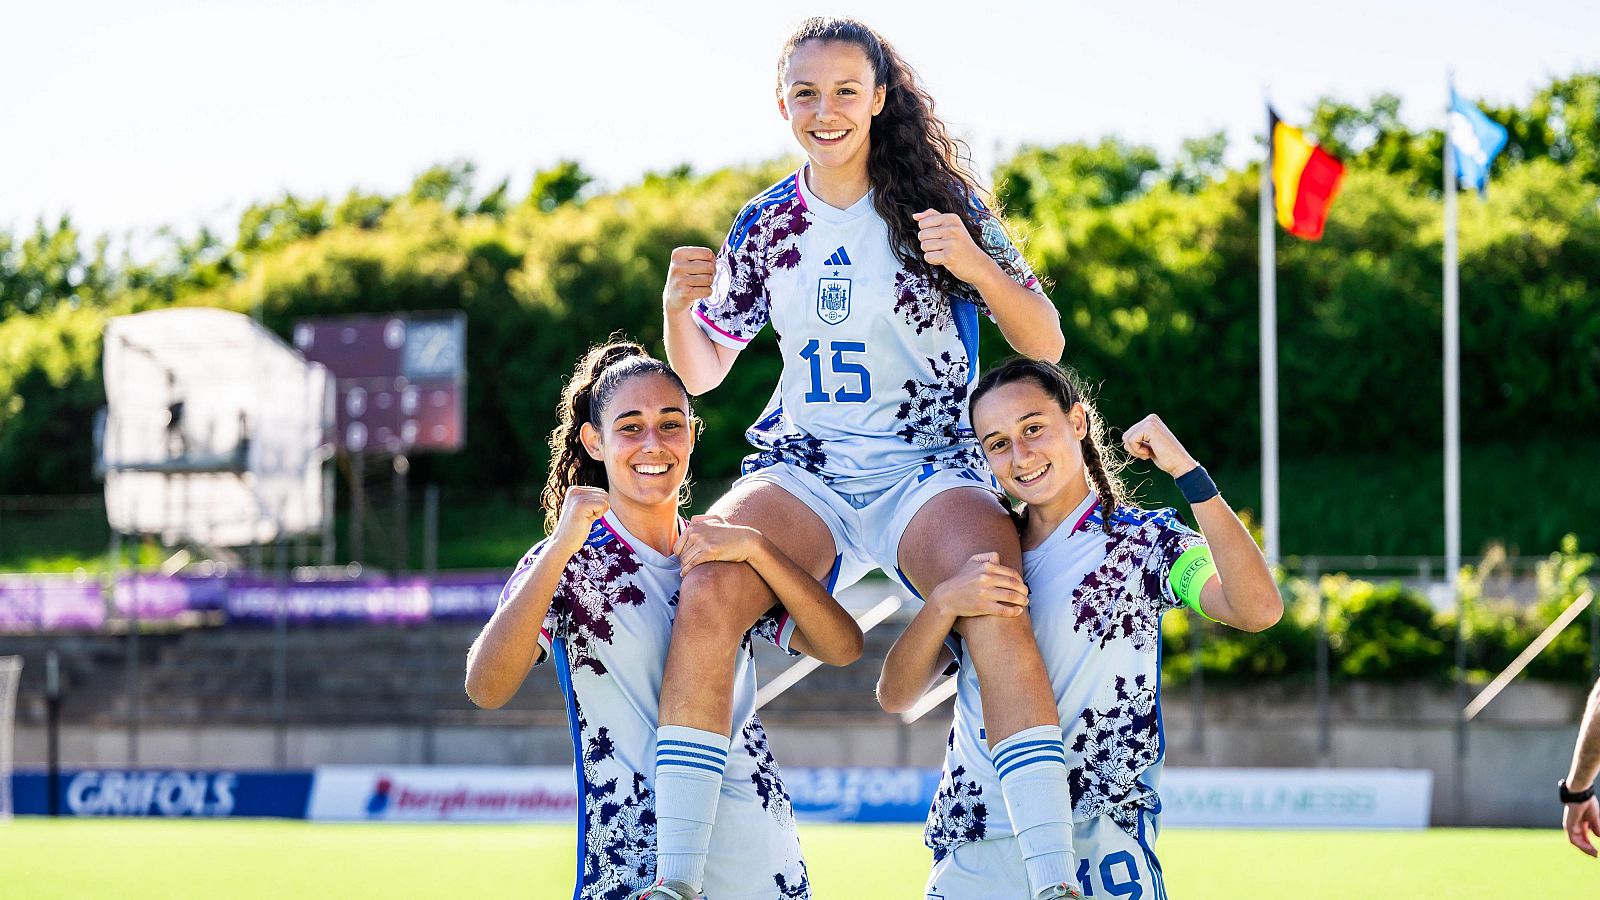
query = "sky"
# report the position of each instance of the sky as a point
(138, 114)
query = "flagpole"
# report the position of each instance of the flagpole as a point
(1452, 372)
(1452, 449)
(1269, 357)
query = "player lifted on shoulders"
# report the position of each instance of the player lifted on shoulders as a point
(873, 264)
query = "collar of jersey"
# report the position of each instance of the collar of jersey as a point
(817, 208)
(645, 552)
(1078, 522)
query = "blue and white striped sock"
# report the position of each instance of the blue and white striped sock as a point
(689, 765)
(1032, 765)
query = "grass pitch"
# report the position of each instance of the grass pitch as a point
(136, 859)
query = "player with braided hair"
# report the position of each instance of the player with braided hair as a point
(1097, 575)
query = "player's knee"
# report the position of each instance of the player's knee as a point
(717, 598)
(998, 637)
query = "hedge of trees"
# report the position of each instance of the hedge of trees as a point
(1387, 632)
(1152, 262)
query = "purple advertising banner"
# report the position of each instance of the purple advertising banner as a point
(255, 599)
(467, 595)
(165, 598)
(50, 603)
(65, 602)
(459, 595)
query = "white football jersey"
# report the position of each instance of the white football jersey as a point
(607, 631)
(1096, 600)
(876, 362)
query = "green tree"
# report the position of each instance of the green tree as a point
(558, 185)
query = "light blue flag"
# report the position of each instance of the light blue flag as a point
(1477, 139)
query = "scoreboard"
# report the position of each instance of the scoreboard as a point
(399, 379)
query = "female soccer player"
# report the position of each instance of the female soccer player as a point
(873, 263)
(1096, 577)
(599, 595)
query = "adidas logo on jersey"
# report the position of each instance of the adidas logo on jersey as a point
(839, 258)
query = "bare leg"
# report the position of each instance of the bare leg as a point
(720, 601)
(1019, 708)
(717, 604)
(944, 534)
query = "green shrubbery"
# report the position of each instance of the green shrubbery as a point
(1152, 263)
(1390, 633)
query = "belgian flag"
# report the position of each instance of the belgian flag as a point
(1304, 180)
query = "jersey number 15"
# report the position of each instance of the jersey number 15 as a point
(843, 370)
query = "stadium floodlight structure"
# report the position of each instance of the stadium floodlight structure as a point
(10, 676)
(215, 431)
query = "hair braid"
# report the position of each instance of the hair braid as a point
(1107, 484)
(570, 462)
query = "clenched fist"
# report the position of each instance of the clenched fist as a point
(579, 510)
(688, 277)
(1151, 439)
(946, 242)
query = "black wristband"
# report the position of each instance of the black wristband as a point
(1574, 796)
(1196, 485)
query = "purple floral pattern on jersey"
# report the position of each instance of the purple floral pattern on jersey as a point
(931, 413)
(597, 580)
(769, 628)
(619, 853)
(919, 302)
(965, 456)
(765, 238)
(959, 814)
(793, 885)
(1115, 744)
(1126, 595)
(767, 781)
(1000, 248)
(800, 450)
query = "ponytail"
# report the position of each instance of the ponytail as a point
(594, 380)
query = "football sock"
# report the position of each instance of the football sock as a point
(689, 765)
(1032, 765)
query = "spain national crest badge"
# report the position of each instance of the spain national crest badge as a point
(833, 300)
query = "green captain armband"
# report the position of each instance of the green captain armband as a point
(1189, 574)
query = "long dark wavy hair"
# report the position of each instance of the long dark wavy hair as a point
(594, 380)
(1102, 464)
(913, 163)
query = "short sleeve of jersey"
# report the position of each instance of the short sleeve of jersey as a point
(1000, 248)
(776, 628)
(554, 625)
(1004, 252)
(1172, 539)
(738, 307)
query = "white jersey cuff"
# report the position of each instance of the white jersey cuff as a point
(726, 339)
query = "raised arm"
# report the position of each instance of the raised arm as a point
(1241, 593)
(982, 587)
(824, 630)
(1026, 317)
(508, 646)
(701, 362)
